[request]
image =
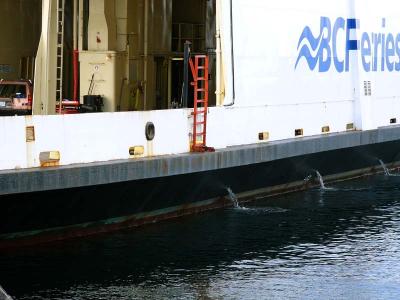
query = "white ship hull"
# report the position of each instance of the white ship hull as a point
(320, 78)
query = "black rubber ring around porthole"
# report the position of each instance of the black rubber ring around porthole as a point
(150, 131)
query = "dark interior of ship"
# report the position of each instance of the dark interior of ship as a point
(154, 33)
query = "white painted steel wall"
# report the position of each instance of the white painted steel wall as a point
(266, 38)
(266, 35)
(384, 102)
(272, 95)
(88, 138)
(12, 143)
(241, 125)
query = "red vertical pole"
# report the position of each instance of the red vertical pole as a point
(76, 71)
(200, 108)
(205, 98)
(195, 83)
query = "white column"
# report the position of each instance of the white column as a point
(44, 96)
(80, 17)
(363, 117)
(219, 69)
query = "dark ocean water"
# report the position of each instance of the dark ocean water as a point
(341, 243)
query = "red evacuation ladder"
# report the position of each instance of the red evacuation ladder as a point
(200, 106)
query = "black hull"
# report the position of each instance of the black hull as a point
(60, 214)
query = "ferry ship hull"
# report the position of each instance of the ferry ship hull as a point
(42, 216)
(276, 102)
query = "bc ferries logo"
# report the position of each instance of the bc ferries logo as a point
(379, 51)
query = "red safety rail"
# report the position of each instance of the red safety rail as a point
(68, 107)
(199, 70)
(76, 73)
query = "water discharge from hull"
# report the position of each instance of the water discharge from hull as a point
(4, 295)
(233, 198)
(323, 243)
(253, 210)
(321, 182)
(50, 221)
(385, 169)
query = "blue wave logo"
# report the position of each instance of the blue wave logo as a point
(376, 51)
(316, 49)
(309, 50)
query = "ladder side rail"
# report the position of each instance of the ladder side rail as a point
(205, 99)
(201, 91)
(195, 103)
(199, 123)
(200, 72)
(60, 52)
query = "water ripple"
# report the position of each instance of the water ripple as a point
(335, 244)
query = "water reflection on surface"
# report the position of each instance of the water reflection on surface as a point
(339, 243)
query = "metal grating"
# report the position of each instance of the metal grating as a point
(350, 126)
(325, 129)
(30, 134)
(367, 88)
(298, 132)
(263, 136)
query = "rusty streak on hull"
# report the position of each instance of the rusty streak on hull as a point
(106, 226)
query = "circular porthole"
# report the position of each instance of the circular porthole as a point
(150, 131)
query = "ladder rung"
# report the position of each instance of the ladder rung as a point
(200, 112)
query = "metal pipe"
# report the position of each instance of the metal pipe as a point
(80, 25)
(232, 58)
(186, 57)
(76, 51)
(218, 91)
(146, 36)
(76, 73)
(75, 23)
(169, 83)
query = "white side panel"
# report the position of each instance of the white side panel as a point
(241, 125)
(266, 37)
(270, 68)
(44, 94)
(380, 18)
(91, 137)
(282, 83)
(12, 143)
